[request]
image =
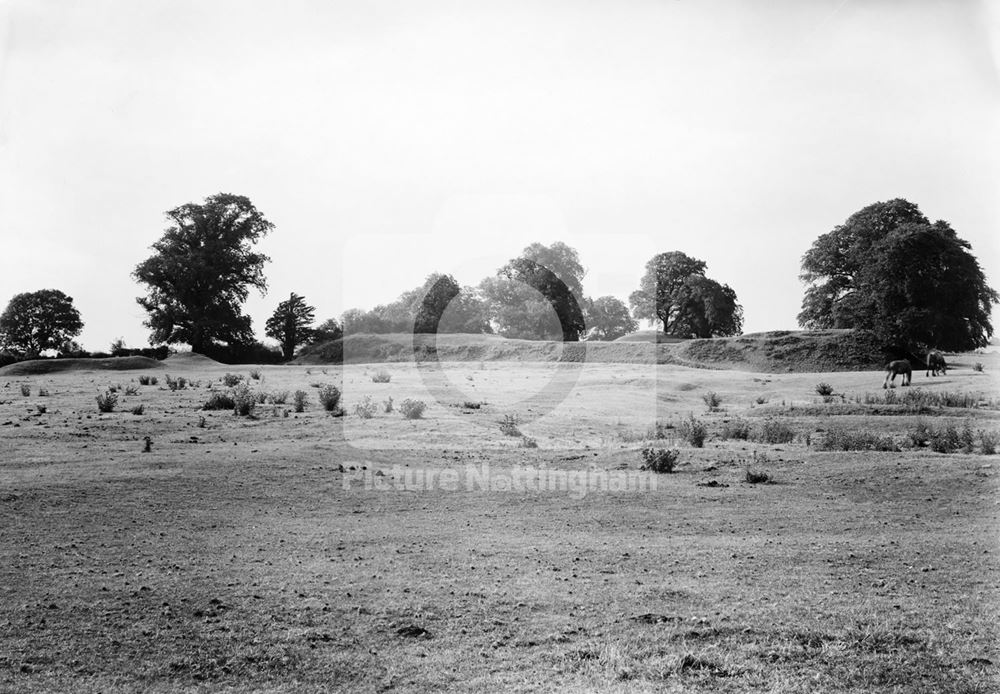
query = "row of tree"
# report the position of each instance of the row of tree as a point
(887, 271)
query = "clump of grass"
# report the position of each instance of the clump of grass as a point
(694, 431)
(528, 442)
(760, 400)
(412, 409)
(131, 389)
(470, 405)
(25, 389)
(843, 439)
(660, 460)
(508, 425)
(179, 383)
(920, 434)
(988, 442)
(279, 397)
(774, 431)
(966, 437)
(824, 388)
(107, 401)
(381, 376)
(299, 400)
(231, 380)
(43, 392)
(244, 401)
(366, 408)
(387, 405)
(114, 388)
(42, 409)
(978, 367)
(711, 400)
(219, 400)
(660, 430)
(148, 380)
(329, 398)
(138, 409)
(255, 374)
(737, 428)
(757, 476)
(946, 440)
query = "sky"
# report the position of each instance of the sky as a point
(390, 140)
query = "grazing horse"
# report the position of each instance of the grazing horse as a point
(900, 367)
(936, 363)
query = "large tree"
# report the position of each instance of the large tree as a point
(676, 292)
(538, 295)
(36, 321)
(890, 272)
(290, 324)
(201, 273)
(608, 319)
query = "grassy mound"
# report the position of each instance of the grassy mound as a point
(190, 359)
(34, 367)
(802, 351)
(650, 336)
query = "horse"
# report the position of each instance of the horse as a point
(900, 367)
(936, 363)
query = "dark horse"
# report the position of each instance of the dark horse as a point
(936, 363)
(900, 367)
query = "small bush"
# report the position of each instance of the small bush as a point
(760, 400)
(137, 410)
(946, 440)
(978, 366)
(711, 400)
(366, 409)
(219, 400)
(25, 389)
(661, 460)
(279, 397)
(114, 388)
(470, 405)
(179, 383)
(131, 389)
(106, 401)
(694, 431)
(329, 398)
(299, 400)
(231, 380)
(988, 442)
(920, 435)
(412, 409)
(387, 405)
(737, 428)
(146, 381)
(244, 401)
(824, 388)
(967, 438)
(774, 431)
(841, 439)
(660, 430)
(42, 409)
(528, 442)
(43, 392)
(255, 374)
(508, 425)
(757, 476)
(381, 376)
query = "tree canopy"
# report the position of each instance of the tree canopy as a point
(290, 324)
(676, 292)
(201, 273)
(608, 319)
(889, 271)
(36, 321)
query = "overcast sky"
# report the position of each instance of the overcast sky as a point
(389, 140)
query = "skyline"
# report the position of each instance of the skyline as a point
(455, 135)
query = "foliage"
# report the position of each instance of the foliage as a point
(988, 442)
(299, 400)
(889, 271)
(367, 408)
(25, 389)
(608, 318)
(387, 405)
(824, 388)
(329, 398)
(201, 272)
(138, 409)
(148, 380)
(327, 331)
(131, 389)
(289, 324)
(37, 321)
(220, 400)
(508, 425)
(844, 439)
(774, 431)
(231, 380)
(244, 401)
(693, 431)
(711, 400)
(278, 397)
(107, 401)
(412, 409)
(660, 460)
(676, 292)
(255, 374)
(179, 383)
(757, 476)
(978, 367)
(381, 376)
(736, 428)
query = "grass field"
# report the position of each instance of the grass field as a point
(301, 552)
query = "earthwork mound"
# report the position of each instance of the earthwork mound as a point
(33, 367)
(192, 359)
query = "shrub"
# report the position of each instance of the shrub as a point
(508, 425)
(757, 476)
(131, 389)
(381, 376)
(528, 442)
(329, 397)
(231, 380)
(660, 430)
(712, 400)
(920, 435)
(179, 383)
(824, 388)
(255, 374)
(279, 397)
(145, 381)
(841, 439)
(412, 409)
(43, 392)
(138, 409)
(470, 405)
(988, 442)
(366, 408)
(694, 431)
(387, 405)
(946, 440)
(114, 388)
(244, 401)
(760, 400)
(41, 409)
(106, 401)
(978, 366)
(737, 428)
(660, 460)
(299, 400)
(774, 431)
(25, 389)
(967, 438)
(220, 401)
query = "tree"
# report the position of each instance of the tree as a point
(676, 292)
(36, 321)
(201, 273)
(608, 319)
(538, 294)
(888, 271)
(327, 331)
(289, 324)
